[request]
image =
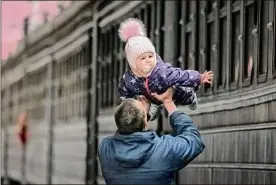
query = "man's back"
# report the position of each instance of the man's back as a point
(145, 158)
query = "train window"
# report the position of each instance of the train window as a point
(142, 15)
(71, 86)
(152, 11)
(13, 91)
(160, 22)
(219, 47)
(5, 105)
(37, 93)
(111, 66)
(20, 90)
(148, 10)
(235, 58)
(83, 75)
(223, 50)
(262, 70)
(99, 68)
(75, 65)
(209, 6)
(222, 3)
(209, 51)
(78, 84)
(65, 82)
(193, 42)
(274, 38)
(63, 102)
(3, 100)
(11, 104)
(70, 83)
(105, 71)
(61, 90)
(249, 42)
(182, 33)
(202, 38)
(31, 95)
(41, 94)
(122, 54)
(115, 63)
(62, 82)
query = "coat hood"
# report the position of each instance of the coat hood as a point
(134, 149)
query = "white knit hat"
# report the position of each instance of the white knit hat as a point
(132, 31)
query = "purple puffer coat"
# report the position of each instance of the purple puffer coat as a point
(163, 76)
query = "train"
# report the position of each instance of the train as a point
(65, 76)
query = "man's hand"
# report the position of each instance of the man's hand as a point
(206, 77)
(166, 97)
(144, 101)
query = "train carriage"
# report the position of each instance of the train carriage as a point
(65, 76)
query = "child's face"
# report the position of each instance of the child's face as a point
(145, 62)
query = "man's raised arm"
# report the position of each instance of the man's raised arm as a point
(186, 142)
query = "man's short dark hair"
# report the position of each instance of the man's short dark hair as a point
(129, 118)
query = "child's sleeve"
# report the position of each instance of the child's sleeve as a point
(179, 77)
(123, 90)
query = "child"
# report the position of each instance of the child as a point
(149, 74)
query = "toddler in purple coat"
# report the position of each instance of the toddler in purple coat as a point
(148, 74)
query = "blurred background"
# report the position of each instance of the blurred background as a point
(15, 12)
(61, 62)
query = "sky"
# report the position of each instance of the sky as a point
(12, 17)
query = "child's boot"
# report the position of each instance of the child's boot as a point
(193, 105)
(153, 112)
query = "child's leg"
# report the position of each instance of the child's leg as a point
(193, 105)
(189, 97)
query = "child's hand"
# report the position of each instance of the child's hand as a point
(207, 77)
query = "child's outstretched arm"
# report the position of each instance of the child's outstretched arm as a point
(179, 77)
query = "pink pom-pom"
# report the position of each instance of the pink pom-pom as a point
(131, 27)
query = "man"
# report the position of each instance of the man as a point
(137, 156)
